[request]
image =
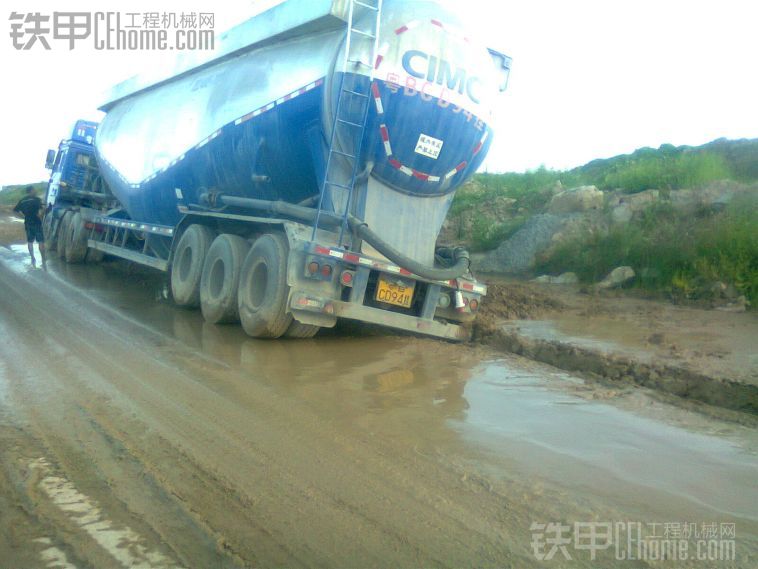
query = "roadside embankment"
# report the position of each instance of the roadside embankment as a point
(11, 227)
(699, 355)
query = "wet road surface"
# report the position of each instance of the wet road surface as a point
(134, 434)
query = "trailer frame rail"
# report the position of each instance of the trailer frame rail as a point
(116, 237)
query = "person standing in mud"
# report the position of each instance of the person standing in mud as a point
(30, 206)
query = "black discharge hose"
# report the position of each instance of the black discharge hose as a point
(457, 258)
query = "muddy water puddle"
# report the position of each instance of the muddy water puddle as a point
(504, 415)
(603, 447)
(604, 335)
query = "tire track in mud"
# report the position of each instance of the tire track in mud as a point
(357, 499)
(23, 541)
(220, 466)
(90, 414)
(73, 442)
(122, 543)
(46, 521)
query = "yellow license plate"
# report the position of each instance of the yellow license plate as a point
(395, 291)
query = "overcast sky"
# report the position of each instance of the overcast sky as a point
(591, 78)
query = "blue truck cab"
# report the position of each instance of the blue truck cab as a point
(74, 170)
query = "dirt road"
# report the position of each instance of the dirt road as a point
(134, 435)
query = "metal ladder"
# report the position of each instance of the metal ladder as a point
(353, 96)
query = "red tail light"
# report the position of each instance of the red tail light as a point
(346, 278)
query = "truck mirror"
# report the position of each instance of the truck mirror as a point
(502, 64)
(50, 159)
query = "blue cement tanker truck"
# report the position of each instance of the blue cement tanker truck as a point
(299, 173)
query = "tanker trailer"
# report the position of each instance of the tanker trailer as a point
(301, 172)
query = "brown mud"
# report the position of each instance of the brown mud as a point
(11, 227)
(699, 355)
(133, 434)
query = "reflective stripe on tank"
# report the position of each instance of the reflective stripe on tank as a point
(377, 102)
(257, 112)
(380, 107)
(449, 29)
(395, 163)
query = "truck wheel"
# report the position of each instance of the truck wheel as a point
(300, 330)
(187, 268)
(62, 234)
(221, 277)
(94, 256)
(263, 290)
(76, 239)
(51, 238)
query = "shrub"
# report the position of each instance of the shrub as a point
(683, 254)
(486, 235)
(531, 190)
(665, 172)
(11, 194)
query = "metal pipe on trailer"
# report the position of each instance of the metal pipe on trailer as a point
(460, 256)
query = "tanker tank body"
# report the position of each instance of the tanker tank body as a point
(251, 123)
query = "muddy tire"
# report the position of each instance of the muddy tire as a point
(263, 290)
(94, 256)
(221, 277)
(62, 234)
(76, 239)
(187, 267)
(51, 237)
(300, 330)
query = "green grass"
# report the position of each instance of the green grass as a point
(670, 251)
(678, 253)
(11, 194)
(487, 234)
(665, 172)
(665, 168)
(531, 190)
